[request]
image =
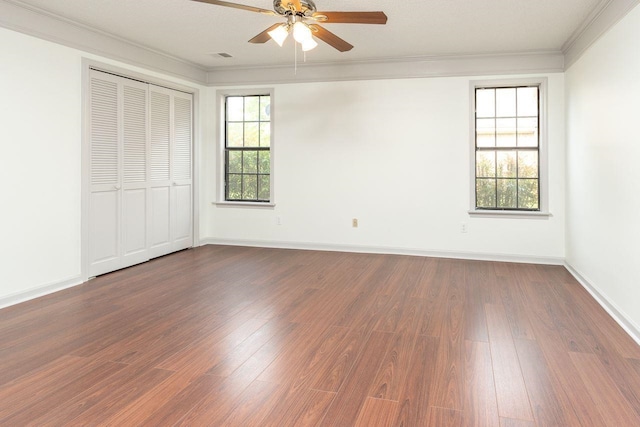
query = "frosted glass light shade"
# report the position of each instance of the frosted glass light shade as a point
(279, 35)
(301, 32)
(308, 45)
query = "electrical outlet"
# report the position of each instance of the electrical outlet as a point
(354, 222)
(463, 228)
(278, 220)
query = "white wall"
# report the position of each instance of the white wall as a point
(40, 116)
(40, 164)
(395, 155)
(603, 178)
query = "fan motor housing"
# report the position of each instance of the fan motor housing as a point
(286, 7)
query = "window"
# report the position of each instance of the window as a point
(247, 148)
(507, 122)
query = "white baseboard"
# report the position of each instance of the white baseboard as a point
(19, 297)
(618, 315)
(527, 259)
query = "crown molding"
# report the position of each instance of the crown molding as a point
(17, 16)
(606, 15)
(411, 67)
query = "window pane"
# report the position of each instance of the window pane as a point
(234, 159)
(263, 187)
(506, 132)
(486, 164)
(265, 134)
(528, 132)
(249, 187)
(507, 192)
(506, 102)
(528, 194)
(265, 108)
(528, 164)
(486, 193)
(250, 162)
(234, 186)
(264, 162)
(485, 102)
(251, 137)
(235, 108)
(248, 140)
(486, 133)
(506, 164)
(251, 108)
(527, 101)
(234, 134)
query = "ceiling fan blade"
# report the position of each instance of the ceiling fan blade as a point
(264, 36)
(351, 17)
(238, 6)
(331, 39)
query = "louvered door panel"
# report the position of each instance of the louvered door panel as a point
(104, 132)
(104, 174)
(135, 134)
(160, 136)
(135, 203)
(160, 171)
(182, 148)
(182, 218)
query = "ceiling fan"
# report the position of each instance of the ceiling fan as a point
(302, 20)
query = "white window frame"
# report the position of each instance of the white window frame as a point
(543, 167)
(220, 132)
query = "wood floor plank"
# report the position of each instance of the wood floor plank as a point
(297, 407)
(250, 408)
(14, 396)
(412, 408)
(377, 413)
(537, 377)
(352, 394)
(301, 342)
(510, 422)
(435, 300)
(480, 404)
(394, 369)
(50, 390)
(225, 393)
(230, 360)
(443, 417)
(167, 403)
(332, 372)
(106, 397)
(614, 408)
(514, 305)
(279, 337)
(511, 392)
(447, 387)
(204, 353)
(577, 406)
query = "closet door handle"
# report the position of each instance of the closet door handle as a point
(116, 187)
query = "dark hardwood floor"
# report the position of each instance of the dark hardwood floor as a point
(234, 336)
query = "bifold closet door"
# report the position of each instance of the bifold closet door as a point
(171, 192)
(118, 147)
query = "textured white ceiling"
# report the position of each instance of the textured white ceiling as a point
(195, 31)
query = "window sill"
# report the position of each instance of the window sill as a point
(244, 205)
(510, 214)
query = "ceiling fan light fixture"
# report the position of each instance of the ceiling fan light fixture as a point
(308, 45)
(302, 32)
(280, 34)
